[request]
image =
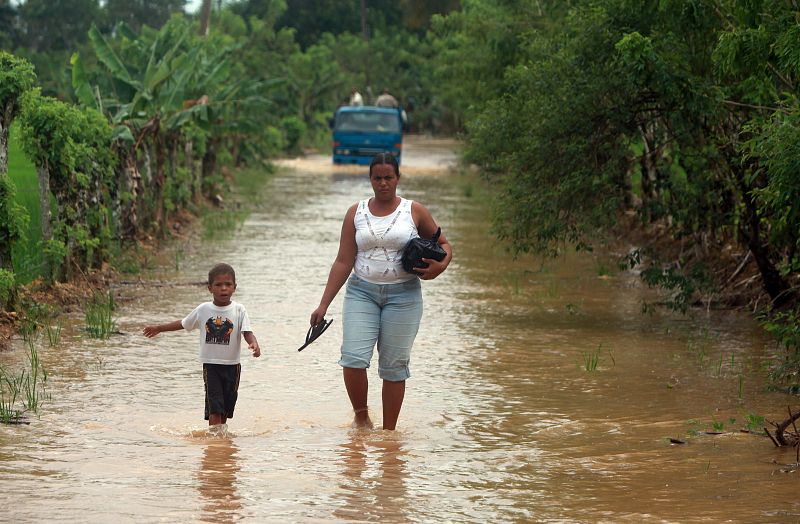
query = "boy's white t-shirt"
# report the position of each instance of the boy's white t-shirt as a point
(221, 333)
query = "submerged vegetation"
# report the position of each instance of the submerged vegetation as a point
(592, 359)
(99, 315)
(24, 391)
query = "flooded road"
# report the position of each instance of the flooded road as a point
(539, 393)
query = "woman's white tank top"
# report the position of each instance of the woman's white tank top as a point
(381, 241)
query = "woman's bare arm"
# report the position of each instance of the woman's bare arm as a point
(342, 266)
(426, 226)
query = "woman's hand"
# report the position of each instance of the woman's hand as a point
(434, 269)
(426, 226)
(318, 315)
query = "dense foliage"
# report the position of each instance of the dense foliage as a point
(684, 114)
(681, 112)
(132, 112)
(72, 149)
(16, 78)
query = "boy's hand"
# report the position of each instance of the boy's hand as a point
(151, 331)
(255, 349)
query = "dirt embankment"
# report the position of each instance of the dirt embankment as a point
(67, 297)
(724, 273)
(60, 296)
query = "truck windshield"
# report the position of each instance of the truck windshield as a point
(368, 123)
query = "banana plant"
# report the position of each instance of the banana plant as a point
(158, 89)
(141, 88)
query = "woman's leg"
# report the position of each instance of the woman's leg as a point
(392, 397)
(356, 383)
(360, 326)
(400, 318)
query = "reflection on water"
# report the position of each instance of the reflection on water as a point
(373, 478)
(502, 420)
(217, 481)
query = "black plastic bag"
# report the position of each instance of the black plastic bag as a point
(419, 248)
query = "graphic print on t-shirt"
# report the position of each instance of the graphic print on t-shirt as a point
(218, 330)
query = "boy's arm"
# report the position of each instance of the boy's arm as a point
(252, 343)
(151, 331)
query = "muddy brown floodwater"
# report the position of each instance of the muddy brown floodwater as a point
(502, 420)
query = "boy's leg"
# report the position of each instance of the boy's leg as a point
(231, 375)
(221, 387)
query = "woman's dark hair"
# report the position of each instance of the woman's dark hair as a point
(385, 158)
(220, 269)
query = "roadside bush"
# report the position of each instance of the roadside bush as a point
(7, 288)
(294, 129)
(784, 326)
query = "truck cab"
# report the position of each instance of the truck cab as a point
(361, 132)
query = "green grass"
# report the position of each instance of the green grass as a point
(591, 360)
(26, 254)
(53, 330)
(220, 223)
(99, 315)
(24, 391)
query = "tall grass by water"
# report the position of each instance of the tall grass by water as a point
(592, 359)
(24, 391)
(26, 253)
(53, 331)
(99, 316)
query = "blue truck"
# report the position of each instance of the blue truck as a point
(361, 132)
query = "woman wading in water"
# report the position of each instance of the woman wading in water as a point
(382, 303)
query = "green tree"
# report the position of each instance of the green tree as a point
(417, 14)
(267, 11)
(72, 152)
(137, 13)
(52, 26)
(313, 18)
(16, 78)
(170, 94)
(8, 25)
(692, 98)
(473, 48)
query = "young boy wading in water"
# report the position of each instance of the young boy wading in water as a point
(224, 324)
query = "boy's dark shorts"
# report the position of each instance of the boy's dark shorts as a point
(222, 388)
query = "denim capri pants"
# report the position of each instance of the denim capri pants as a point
(386, 314)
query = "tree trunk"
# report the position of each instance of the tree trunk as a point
(205, 18)
(188, 160)
(160, 180)
(147, 189)
(171, 146)
(209, 160)
(5, 247)
(3, 148)
(236, 141)
(47, 216)
(364, 19)
(367, 62)
(129, 178)
(776, 286)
